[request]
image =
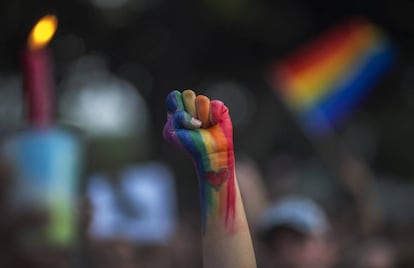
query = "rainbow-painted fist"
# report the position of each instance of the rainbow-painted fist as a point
(203, 129)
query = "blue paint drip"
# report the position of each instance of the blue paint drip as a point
(187, 142)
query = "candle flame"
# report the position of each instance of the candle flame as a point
(42, 32)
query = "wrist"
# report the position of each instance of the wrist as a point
(217, 188)
(215, 162)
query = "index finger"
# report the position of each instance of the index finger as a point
(174, 102)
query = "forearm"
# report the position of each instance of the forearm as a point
(226, 236)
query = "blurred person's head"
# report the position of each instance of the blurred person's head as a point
(295, 232)
(376, 254)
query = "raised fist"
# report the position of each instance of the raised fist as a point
(203, 129)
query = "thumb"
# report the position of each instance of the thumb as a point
(182, 119)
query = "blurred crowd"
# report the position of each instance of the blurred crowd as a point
(292, 224)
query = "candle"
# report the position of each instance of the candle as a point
(45, 158)
(37, 72)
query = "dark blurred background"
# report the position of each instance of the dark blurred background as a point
(116, 60)
(160, 45)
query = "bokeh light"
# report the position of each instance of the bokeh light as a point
(42, 32)
(101, 103)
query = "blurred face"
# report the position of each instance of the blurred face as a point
(378, 256)
(290, 249)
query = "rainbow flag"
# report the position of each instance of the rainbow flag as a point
(323, 81)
